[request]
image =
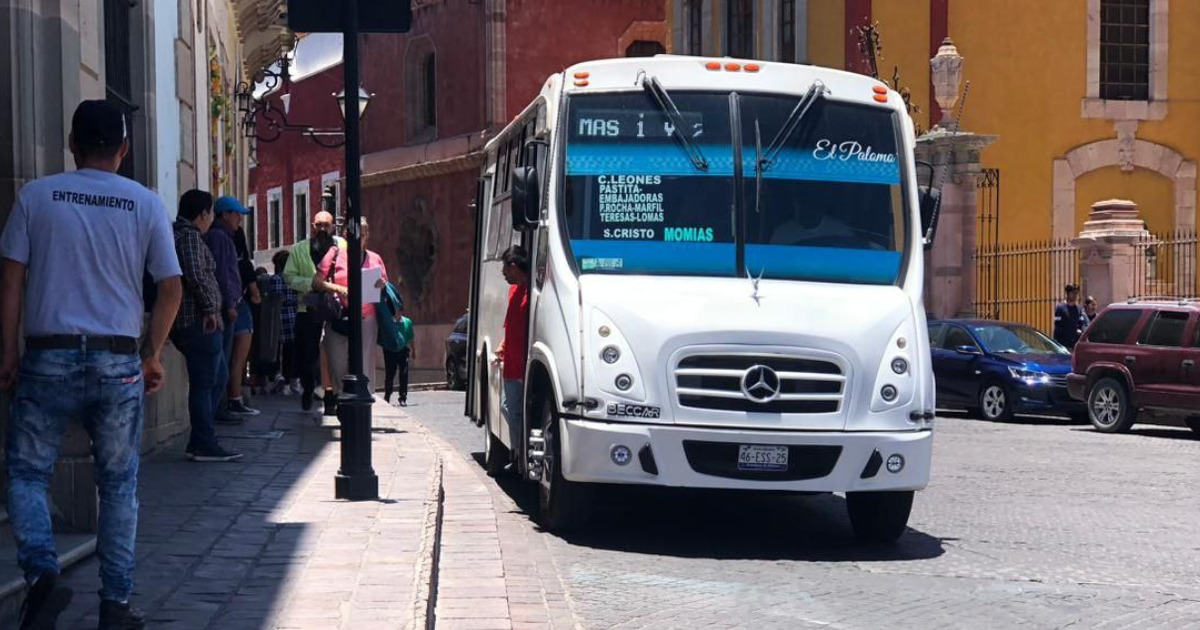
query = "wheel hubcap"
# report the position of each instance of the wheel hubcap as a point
(993, 402)
(1106, 407)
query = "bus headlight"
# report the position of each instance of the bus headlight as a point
(894, 382)
(611, 362)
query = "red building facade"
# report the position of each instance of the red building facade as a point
(441, 91)
(290, 172)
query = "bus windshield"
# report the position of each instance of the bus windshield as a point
(828, 207)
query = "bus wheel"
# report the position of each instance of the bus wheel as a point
(495, 455)
(879, 517)
(562, 503)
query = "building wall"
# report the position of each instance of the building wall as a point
(453, 31)
(1027, 64)
(295, 158)
(424, 230)
(582, 30)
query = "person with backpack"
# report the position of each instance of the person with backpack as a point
(396, 339)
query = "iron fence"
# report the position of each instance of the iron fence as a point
(1165, 265)
(1021, 282)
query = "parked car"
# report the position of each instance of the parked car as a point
(456, 353)
(1138, 362)
(997, 369)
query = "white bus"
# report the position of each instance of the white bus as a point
(726, 286)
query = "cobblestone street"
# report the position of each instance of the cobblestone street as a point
(1039, 523)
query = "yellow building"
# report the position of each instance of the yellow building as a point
(1090, 99)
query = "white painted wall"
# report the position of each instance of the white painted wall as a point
(168, 149)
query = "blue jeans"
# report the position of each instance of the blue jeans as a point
(513, 401)
(105, 391)
(208, 372)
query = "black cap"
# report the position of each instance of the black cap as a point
(98, 125)
(1071, 288)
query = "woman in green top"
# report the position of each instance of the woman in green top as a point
(396, 338)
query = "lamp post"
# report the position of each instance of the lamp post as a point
(356, 479)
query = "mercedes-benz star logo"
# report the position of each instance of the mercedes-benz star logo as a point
(760, 384)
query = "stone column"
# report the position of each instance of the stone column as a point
(1107, 246)
(950, 264)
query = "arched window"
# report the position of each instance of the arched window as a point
(420, 90)
(695, 20)
(740, 29)
(429, 73)
(787, 31)
(643, 48)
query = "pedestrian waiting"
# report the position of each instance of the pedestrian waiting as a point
(198, 332)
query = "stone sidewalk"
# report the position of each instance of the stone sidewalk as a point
(262, 543)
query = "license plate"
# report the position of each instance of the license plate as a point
(760, 457)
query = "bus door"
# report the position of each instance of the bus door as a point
(481, 204)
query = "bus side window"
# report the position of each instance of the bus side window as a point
(514, 146)
(542, 254)
(501, 171)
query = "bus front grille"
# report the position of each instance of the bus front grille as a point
(757, 383)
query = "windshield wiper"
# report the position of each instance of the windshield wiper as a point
(758, 167)
(815, 91)
(659, 94)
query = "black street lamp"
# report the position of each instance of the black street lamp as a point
(263, 121)
(356, 478)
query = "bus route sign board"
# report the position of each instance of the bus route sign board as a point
(374, 16)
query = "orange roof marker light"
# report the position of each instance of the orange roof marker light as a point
(881, 98)
(713, 65)
(582, 75)
(879, 89)
(732, 67)
(581, 82)
(752, 67)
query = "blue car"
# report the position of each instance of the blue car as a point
(997, 369)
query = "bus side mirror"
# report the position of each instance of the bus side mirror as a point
(526, 199)
(931, 204)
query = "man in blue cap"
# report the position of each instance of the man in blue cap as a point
(96, 232)
(230, 214)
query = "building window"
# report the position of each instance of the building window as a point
(251, 223)
(118, 76)
(274, 219)
(644, 48)
(787, 31)
(740, 20)
(420, 90)
(300, 218)
(695, 21)
(1125, 50)
(429, 72)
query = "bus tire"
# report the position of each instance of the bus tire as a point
(562, 504)
(495, 455)
(879, 517)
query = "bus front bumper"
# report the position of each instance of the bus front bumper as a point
(699, 457)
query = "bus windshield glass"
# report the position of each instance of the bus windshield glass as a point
(827, 207)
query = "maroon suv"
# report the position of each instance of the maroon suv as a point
(1140, 361)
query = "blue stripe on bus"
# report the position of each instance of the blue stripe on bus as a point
(670, 160)
(822, 264)
(655, 257)
(826, 264)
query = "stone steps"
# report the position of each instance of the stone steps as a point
(72, 549)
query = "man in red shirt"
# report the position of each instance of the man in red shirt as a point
(512, 349)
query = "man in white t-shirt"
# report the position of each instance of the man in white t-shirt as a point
(73, 254)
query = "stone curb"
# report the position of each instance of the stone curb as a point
(425, 577)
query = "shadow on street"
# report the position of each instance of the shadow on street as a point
(717, 524)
